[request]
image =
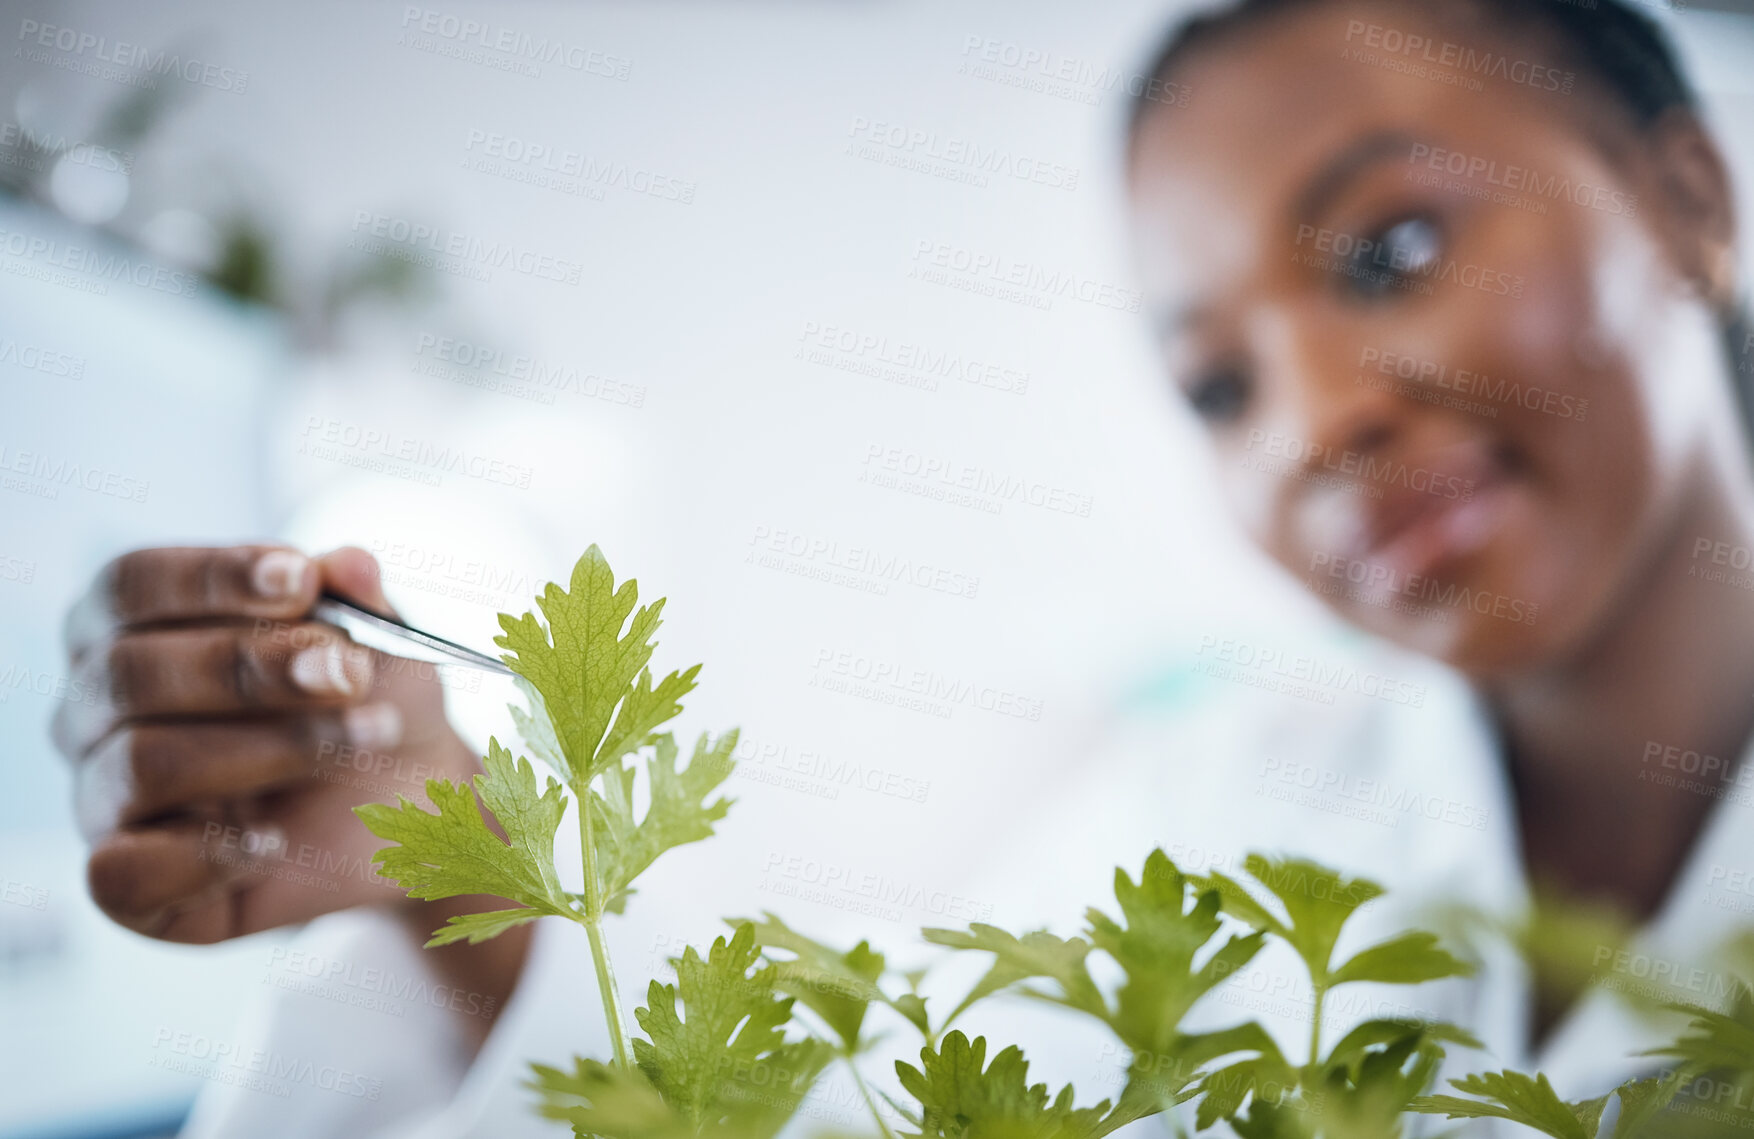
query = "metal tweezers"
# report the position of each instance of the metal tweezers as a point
(389, 635)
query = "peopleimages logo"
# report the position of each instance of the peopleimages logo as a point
(43, 476)
(420, 242)
(1037, 284)
(21, 570)
(1051, 72)
(1394, 798)
(1666, 975)
(379, 988)
(257, 1069)
(1370, 578)
(371, 448)
(1379, 472)
(1521, 179)
(903, 362)
(828, 772)
(91, 49)
(96, 265)
(50, 686)
(567, 165)
(1303, 669)
(881, 889)
(16, 137)
(516, 373)
(1713, 771)
(23, 894)
(1469, 383)
(1413, 47)
(270, 854)
(814, 556)
(895, 141)
(832, 669)
(513, 45)
(36, 358)
(890, 466)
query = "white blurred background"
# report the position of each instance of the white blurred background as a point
(708, 419)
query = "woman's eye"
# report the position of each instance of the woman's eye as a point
(1219, 396)
(1393, 258)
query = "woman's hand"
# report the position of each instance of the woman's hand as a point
(224, 739)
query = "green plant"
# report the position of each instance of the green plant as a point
(733, 1046)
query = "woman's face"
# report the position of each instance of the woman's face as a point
(1454, 383)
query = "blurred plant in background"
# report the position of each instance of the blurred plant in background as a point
(90, 179)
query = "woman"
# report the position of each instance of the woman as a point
(1448, 283)
(1455, 315)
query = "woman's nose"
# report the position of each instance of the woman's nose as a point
(1335, 406)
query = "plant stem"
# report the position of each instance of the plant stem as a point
(611, 998)
(594, 930)
(1315, 1025)
(866, 1093)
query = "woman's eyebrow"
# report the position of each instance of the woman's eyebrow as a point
(1321, 189)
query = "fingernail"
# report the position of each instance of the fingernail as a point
(373, 727)
(279, 574)
(330, 670)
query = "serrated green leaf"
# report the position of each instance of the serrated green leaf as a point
(1036, 955)
(1364, 1087)
(644, 710)
(1157, 948)
(717, 1052)
(1142, 1097)
(1159, 1081)
(536, 729)
(911, 1114)
(913, 1007)
(1265, 1079)
(961, 1095)
(1242, 905)
(1409, 959)
(1714, 1041)
(1528, 1100)
(1349, 1053)
(838, 987)
(1317, 903)
(476, 928)
(452, 852)
(1360, 1091)
(1273, 1121)
(678, 811)
(1643, 1100)
(1199, 1048)
(601, 1100)
(587, 660)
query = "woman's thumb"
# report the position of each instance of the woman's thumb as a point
(353, 573)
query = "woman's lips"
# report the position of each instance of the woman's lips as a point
(1440, 531)
(1431, 508)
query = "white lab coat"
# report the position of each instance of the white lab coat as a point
(1204, 766)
